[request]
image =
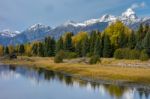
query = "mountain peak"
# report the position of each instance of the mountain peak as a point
(9, 33)
(38, 26)
(107, 18)
(73, 23)
(129, 13)
(69, 22)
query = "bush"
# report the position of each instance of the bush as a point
(94, 59)
(144, 56)
(89, 54)
(134, 54)
(127, 54)
(118, 54)
(59, 57)
(70, 55)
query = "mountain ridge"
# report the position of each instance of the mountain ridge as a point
(39, 31)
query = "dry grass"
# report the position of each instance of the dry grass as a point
(140, 74)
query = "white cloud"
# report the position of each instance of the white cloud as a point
(138, 5)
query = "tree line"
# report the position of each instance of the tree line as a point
(117, 40)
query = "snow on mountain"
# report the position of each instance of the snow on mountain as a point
(38, 26)
(35, 31)
(39, 31)
(128, 17)
(91, 21)
(104, 18)
(129, 14)
(73, 23)
(9, 33)
(108, 18)
(145, 18)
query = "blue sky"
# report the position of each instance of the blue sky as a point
(20, 14)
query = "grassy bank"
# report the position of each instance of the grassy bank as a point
(110, 69)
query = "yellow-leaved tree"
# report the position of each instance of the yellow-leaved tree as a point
(28, 49)
(11, 49)
(118, 33)
(1, 50)
(79, 37)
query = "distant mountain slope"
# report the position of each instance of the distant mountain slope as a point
(39, 31)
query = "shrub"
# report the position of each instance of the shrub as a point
(59, 57)
(144, 56)
(70, 55)
(134, 54)
(94, 59)
(89, 54)
(127, 54)
(118, 54)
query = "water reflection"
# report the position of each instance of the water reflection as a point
(39, 75)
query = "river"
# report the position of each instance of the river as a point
(20, 82)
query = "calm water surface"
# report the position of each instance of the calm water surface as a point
(35, 83)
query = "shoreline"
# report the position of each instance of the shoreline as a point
(81, 68)
(98, 81)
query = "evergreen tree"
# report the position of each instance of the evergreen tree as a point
(17, 49)
(98, 46)
(140, 34)
(49, 46)
(35, 49)
(140, 37)
(6, 51)
(122, 40)
(40, 50)
(146, 42)
(68, 42)
(146, 28)
(132, 40)
(93, 36)
(85, 46)
(52, 47)
(59, 45)
(78, 48)
(107, 49)
(21, 49)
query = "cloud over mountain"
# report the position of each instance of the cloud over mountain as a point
(138, 5)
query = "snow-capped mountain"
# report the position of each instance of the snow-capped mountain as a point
(38, 26)
(129, 14)
(35, 32)
(104, 18)
(8, 33)
(39, 31)
(108, 18)
(128, 17)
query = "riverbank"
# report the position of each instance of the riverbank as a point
(110, 70)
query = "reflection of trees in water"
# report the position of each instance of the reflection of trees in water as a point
(116, 91)
(50, 75)
(94, 85)
(13, 68)
(68, 80)
(82, 83)
(113, 90)
(143, 93)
